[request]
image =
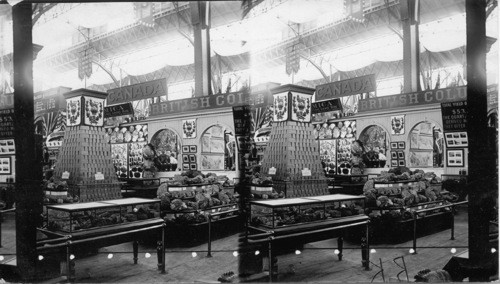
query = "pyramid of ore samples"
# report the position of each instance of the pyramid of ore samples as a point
(84, 154)
(291, 149)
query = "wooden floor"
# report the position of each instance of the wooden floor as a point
(316, 262)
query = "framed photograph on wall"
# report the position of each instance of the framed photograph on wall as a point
(394, 163)
(185, 167)
(401, 163)
(394, 155)
(455, 158)
(193, 149)
(5, 166)
(185, 158)
(401, 155)
(456, 140)
(401, 145)
(193, 167)
(192, 158)
(185, 149)
(394, 145)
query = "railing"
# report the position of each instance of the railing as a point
(416, 217)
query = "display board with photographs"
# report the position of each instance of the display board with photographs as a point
(7, 146)
(456, 140)
(455, 158)
(5, 166)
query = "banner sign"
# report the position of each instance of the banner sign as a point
(413, 99)
(199, 103)
(118, 110)
(358, 85)
(6, 123)
(326, 106)
(242, 120)
(454, 116)
(137, 92)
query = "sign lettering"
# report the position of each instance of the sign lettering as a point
(454, 116)
(118, 110)
(358, 85)
(137, 92)
(6, 123)
(326, 106)
(199, 103)
(413, 99)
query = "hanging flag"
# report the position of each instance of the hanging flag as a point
(144, 13)
(438, 82)
(460, 81)
(292, 57)
(85, 62)
(353, 9)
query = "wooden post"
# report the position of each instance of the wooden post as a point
(483, 178)
(200, 19)
(28, 192)
(409, 10)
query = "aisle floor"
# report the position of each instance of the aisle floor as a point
(316, 262)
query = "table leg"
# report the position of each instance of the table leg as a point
(414, 234)
(135, 246)
(452, 223)
(340, 244)
(70, 265)
(159, 249)
(365, 250)
(164, 259)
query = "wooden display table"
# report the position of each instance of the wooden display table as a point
(277, 236)
(67, 240)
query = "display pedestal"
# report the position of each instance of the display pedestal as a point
(291, 150)
(84, 155)
(292, 155)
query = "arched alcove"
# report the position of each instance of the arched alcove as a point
(426, 146)
(218, 149)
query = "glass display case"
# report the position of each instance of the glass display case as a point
(278, 213)
(70, 218)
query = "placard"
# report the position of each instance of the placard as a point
(65, 175)
(118, 110)
(242, 120)
(454, 116)
(326, 106)
(7, 123)
(99, 176)
(272, 171)
(306, 172)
